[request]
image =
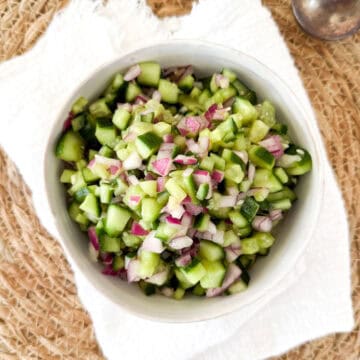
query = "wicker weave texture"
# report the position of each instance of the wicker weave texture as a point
(40, 314)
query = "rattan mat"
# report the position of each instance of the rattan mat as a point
(40, 314)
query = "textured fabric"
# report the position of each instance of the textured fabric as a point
(243, 42)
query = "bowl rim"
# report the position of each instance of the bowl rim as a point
(311, 130)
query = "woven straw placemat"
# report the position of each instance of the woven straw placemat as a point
(40, 314)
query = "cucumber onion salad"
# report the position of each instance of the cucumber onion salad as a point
(178, 181)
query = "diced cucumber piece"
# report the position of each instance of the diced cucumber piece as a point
(106, 193)
(229, 74)
(131, 240)
(70, 147)
(215, 273)
(90, 205)
(249, 208)
(133, 192)
(187, 83)
(258, 131)
(202, 222)
(163, 198)
(183, 281)
(199, 290)
(245, 92)
(284, 204)
(146, 288)
(116, 219)
(234, 173)
(169, 91)
(237, 286)
(204, 96)
(207, 163)
(203, 191)
(149, 187)
(261, 157)
(210, 251)
(281, 174)
(219, 163)
(175, 190)
(118, 263)
(78, 123)
(121, 118)
(195, 93)
(149, 261)
(194, 272)
(150, 209)
(301, 167)
(109, 244)
(267, 113)
(165, 231)
(238, 219)
(150, 73)
(179, 293)
(99, 109)
(81, 194)
(246, 109)
(285, 193)
(230, 238)
(105, 133)
(264, 239)
(76, 214)
(190, 188)
(132, 91)
(265, 178)
(79, 105)
(147, 144)
(66, 175)
(147, 118)
(190, 103)
(249, 246)
(161, 128)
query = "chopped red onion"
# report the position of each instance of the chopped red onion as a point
(160, 184)
(251, 172)
(156, 95)
(217, 176)
(227, 201)
(183, 260)
(159, 278)
(68, 120)
(162, 166)
(273, 145)
(149, 176)
(186, 220)
(132, 180)
(152, 243)
(222, 81)
(108, 270)
(276, 215)
(137, 229)
(93, 253)
(181, 242)
(93, 237)
(132, 73)
(185, 160)
(232, 253)
(209, 114)
(220, 114)
(132, 162)
(232, 274)
(172, 220)
(142, 99)
(262, 223)
(168, 138)
(133, 270)
(135, 199)
(193, 209)
(229, 102)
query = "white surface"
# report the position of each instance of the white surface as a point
(34, 86)
(301, 220)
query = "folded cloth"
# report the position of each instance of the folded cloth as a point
(34, 86)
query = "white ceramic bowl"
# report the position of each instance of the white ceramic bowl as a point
(293, 234)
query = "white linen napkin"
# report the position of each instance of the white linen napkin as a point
(34, 86)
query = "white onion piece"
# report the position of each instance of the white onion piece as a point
(93, 253)
(276, 215)
(168, 292)
(158, 278)
(133, 270)
(251, 172)
(232, 253)
(183, 260)
(243, 155)
(156, 95)
(132, 180)
(227, 201)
